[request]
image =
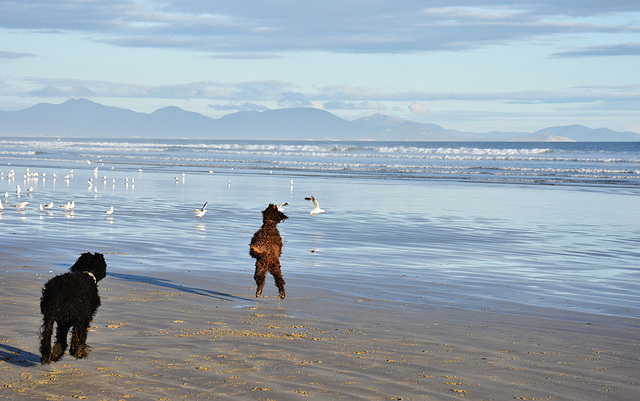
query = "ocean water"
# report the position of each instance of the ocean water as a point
(528, 163)
(487, 226)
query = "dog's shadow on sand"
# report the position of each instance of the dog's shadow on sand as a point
(18, 357)
(178, 287)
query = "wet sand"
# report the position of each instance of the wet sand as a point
(169, 335)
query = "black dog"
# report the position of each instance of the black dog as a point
(71, 299)
(266, 248)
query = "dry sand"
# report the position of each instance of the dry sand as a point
(165, 336)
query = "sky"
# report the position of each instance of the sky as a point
(474, 66)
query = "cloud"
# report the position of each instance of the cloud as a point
(242, 95)
(48, 91)
(245, 56)
(624, 49)
(294, 99)
(419, 108)
(340, 105)
(247, 106)
(257, 30)
(232, 91)
(14, 55)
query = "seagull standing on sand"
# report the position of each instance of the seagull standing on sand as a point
(316, 207)
(201, 212)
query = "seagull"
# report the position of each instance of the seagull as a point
(49, 205)
(21, 205)
(316, 207)
(201, 212)
(110, 211)
(69, 206)
(282, 205)
(18, 190)
(41, 208)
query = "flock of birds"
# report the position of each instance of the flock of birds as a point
(70, 205)
(30, 177)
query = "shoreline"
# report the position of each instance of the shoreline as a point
(166, 335)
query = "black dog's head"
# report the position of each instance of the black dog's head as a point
(93, 263)
(272, 213)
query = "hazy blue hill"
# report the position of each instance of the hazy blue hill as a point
(383, 127)
(84, 118)
(76, 117)
(581, 133)
(380, 121)
(297, 123)
(178, 123)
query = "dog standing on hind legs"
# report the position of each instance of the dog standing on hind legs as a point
(71, 300)
(266, 248)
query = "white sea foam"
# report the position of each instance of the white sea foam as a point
(504, 162)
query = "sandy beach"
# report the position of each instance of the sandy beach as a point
(166, 336)
(405, 289)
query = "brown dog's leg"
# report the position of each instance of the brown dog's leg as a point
(277, 276)
(259, 278)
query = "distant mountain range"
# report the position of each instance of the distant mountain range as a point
(84, 118)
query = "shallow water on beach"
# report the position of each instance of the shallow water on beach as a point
(480, 244)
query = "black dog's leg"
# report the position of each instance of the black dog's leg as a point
(61, 341)
(79, 347)
(45, 341)
(259, 278)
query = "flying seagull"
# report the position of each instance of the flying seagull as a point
(316, 207)
(201, 212)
